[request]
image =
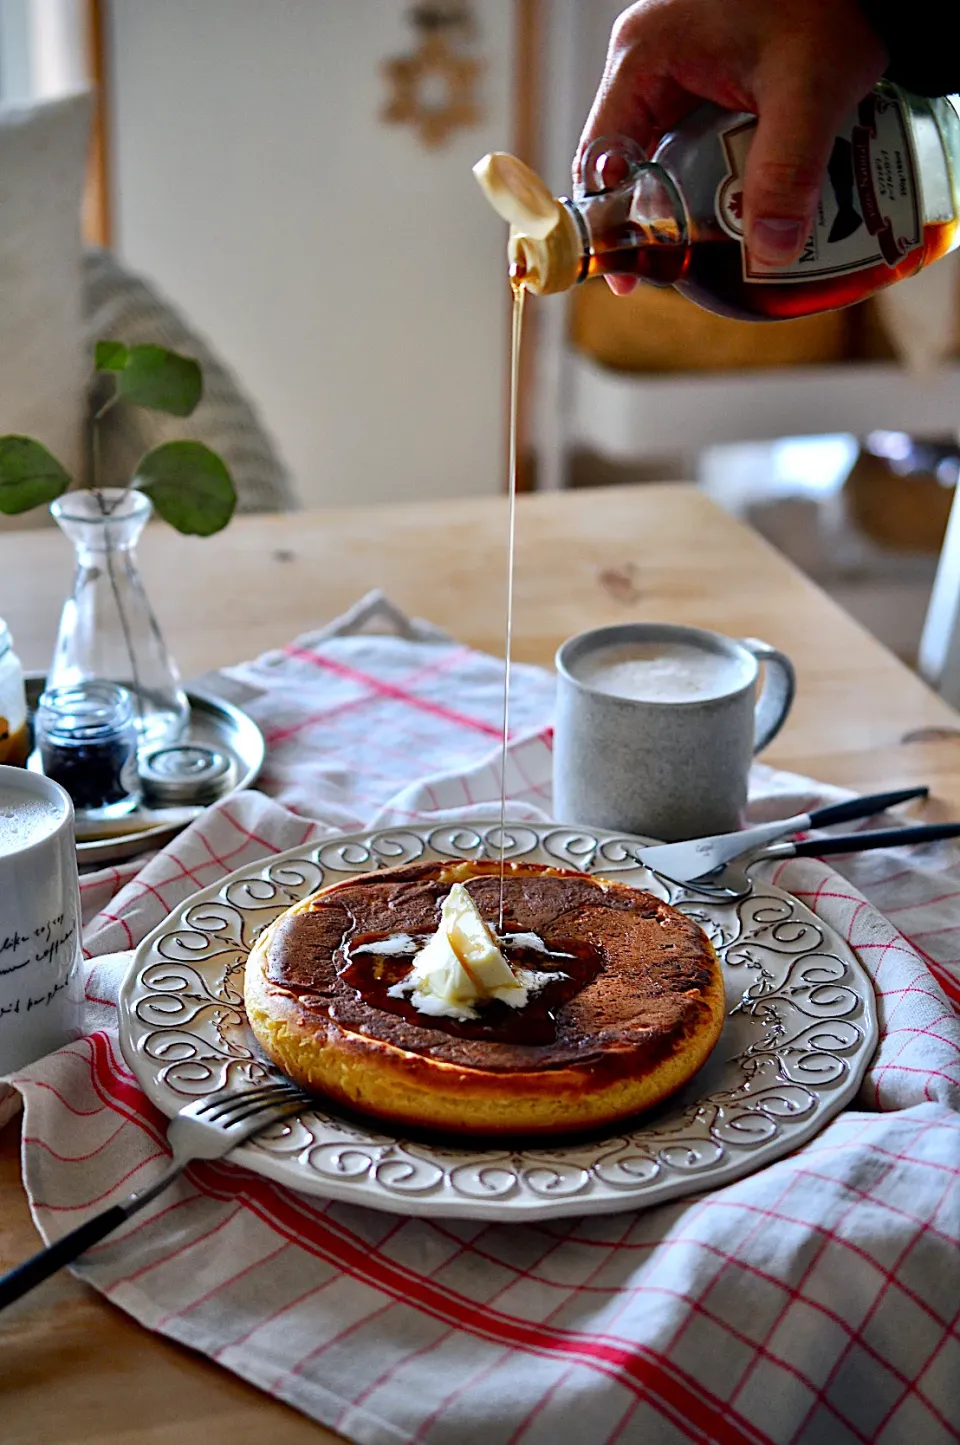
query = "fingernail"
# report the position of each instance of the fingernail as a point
(775, 241)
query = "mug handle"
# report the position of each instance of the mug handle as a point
(779, 690)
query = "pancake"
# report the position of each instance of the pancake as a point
(633, 1004)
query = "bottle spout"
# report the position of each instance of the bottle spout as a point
(545, 252)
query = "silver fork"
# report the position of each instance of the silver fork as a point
(208, 1129)
(732, 882)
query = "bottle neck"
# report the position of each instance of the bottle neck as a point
(632, 221)
(636, 229)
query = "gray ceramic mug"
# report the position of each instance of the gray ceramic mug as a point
(664, 769)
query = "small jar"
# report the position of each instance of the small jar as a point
(87, 738)
(14, 732)
(186, 774)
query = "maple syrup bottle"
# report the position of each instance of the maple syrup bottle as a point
(890, 205)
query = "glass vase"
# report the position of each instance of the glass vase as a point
(107, 627)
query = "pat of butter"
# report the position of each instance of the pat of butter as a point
(460, 965)
(473, 943)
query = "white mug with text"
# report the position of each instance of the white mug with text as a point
(41, 975)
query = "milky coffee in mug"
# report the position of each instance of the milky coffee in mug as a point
(41, 982)
(657, 725)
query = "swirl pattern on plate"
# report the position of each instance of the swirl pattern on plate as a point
(801, 1027)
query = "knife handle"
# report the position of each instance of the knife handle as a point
(864, 807)
(65, 1250)
(874, 838)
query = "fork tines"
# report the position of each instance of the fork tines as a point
(239, 1104)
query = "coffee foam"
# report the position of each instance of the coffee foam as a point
(662, 671)
(25, 819)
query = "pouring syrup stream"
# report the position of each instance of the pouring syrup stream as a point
(517, 274)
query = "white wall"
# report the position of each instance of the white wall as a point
(14, 51)
(355, 281)
(42, 49)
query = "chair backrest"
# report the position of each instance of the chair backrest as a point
(43, 150)
(939, 653)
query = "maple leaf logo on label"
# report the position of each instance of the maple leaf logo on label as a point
(729, 200)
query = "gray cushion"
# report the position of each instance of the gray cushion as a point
(120, 306)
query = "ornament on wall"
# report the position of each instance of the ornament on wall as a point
(434, 88)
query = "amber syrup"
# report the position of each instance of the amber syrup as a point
(518, 287)
(574, 965)
(710, 271)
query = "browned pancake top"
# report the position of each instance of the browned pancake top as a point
(632, 989)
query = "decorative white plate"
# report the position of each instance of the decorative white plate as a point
(800, 1030)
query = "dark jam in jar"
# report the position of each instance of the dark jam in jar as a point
(87, 738)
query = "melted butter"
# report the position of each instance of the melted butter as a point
(460, 966)
(532, 941)
(398, 945)
(466, 977)
(373, 976)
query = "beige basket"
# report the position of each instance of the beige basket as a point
(656, 329)
(904, 513)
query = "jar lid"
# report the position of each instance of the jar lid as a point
(87, 712)
(190, 773)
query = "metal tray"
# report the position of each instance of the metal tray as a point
(214, 722)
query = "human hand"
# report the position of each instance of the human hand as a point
(799, 65)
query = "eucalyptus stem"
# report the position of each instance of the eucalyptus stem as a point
(107, 512)
(98, 417)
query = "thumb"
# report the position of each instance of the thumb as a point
(786, 166)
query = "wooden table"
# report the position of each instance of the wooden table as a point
(74, 1369)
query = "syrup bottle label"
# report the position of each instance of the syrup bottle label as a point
(869, 209)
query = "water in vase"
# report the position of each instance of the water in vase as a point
(107, 626)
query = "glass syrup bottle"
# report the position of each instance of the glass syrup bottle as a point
(890, 204)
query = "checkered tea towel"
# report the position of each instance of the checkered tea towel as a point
(816, 1301)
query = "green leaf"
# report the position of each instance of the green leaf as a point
(189, 485)
(161, 380)
(29, 475)
(110, 356)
